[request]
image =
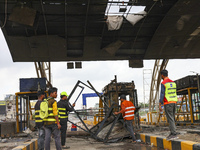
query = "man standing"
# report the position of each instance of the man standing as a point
(127, 110)
(51, 123)
(169, 97)
(39, 121)
(64, 108)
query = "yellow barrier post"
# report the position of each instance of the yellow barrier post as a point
(95, 120)
(191, 109)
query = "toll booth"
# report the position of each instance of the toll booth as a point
(28, 93)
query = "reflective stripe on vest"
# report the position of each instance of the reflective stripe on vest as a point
(50, 115)
(170, 91)
(62, 113)
(37, 116)
(129, 110)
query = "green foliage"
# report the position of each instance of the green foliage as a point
(142, 104)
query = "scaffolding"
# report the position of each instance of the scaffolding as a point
(147, 75)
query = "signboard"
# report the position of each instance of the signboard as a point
(2, 107)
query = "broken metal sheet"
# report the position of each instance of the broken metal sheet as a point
(113, 47)
(134, 18)
(23, 15)
(114, 22)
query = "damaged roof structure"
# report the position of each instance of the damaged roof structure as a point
(68, 30)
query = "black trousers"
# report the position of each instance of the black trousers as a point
(63, 129)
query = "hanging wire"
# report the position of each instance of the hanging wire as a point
(5, 20)
(45, 21)
(143, 23)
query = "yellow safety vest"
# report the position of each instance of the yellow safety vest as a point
(37, 116)
(62, 113)
(170, 91)
(50, 119)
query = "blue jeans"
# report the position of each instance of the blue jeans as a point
(41, 138)
(52, 129)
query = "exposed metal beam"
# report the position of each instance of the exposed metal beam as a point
(43, 70)
(155, 83)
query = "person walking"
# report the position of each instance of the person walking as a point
(64, 108)
(127, 110)
(39, 121)
(51, 123)
(168, 96)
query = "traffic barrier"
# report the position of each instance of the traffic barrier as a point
(161, 142)
(31, 145)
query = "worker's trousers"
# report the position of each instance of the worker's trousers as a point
(129, 127)
(52, 129)
(41, 136)
(63, 129)
(170, 114)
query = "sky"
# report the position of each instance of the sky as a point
(99, 73)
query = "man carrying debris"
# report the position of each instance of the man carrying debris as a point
(169, 97)
(127, 110)
(64, 108)
(51, 123)
(39, 121)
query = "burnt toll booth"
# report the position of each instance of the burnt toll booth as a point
(114, 89)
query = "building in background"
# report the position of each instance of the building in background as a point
(8, 108)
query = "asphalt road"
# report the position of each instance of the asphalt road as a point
(86, 143)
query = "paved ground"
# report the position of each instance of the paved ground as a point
(191, 133)
(91, 144)
(188, 133)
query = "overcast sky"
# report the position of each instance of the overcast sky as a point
(99, 73)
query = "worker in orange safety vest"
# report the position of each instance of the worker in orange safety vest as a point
(127, 110)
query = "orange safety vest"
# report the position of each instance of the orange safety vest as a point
(129, 110)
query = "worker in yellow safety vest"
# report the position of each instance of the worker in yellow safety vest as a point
(64, 108)
(51, 123)
(39, 121)
(168, 96)
(127, 110)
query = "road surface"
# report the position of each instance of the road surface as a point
(86, 143)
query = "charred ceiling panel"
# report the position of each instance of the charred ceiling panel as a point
(38, 48)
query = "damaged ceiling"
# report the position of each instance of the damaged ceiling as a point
(78, 30)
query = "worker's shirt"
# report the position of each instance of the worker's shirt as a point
(162, 92)
(55, 109)
(64, 108)
(127, 110)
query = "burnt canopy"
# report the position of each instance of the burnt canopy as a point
(76, 30)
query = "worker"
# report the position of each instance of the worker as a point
(169, 97)
(39, 121)
(51, 123)
(64, 108)
(127, 110)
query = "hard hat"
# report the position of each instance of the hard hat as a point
(64, 93)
